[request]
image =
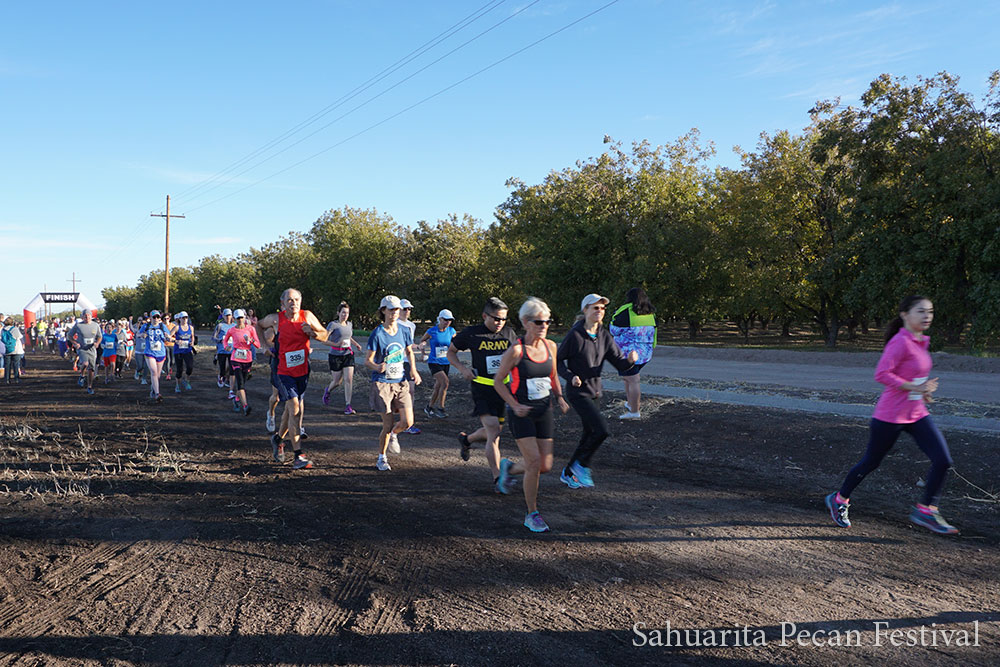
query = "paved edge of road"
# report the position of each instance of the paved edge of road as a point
(984, 425)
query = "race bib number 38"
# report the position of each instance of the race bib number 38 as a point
(493, 363)
(295, 358)
(538, 388)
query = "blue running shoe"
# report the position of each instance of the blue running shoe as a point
(81, 381)
(413, 430)
(838, 511)
(503, 481)
(535, 523)
(570, 480)
(582, 474)
(932, 521)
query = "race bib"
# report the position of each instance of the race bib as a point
(88, 341)
(155, 345)
(538, 388)
(493, 363)
(295, 358)
(441, 351)
(183, 343)
(241, 355)
(916, 395)
(394, 371)
(110, 345)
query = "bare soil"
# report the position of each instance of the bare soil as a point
(139, 533)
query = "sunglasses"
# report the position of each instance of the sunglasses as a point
(541, 323)
(495, 318)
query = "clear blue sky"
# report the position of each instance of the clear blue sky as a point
(109, 107)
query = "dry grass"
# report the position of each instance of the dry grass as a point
(38, 463)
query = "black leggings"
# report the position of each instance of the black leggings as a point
(240, 372)
(883, 436)
(223, 365)
(119, 362)
(595, 429)
(184, 363)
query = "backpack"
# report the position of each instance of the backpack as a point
(8, 340)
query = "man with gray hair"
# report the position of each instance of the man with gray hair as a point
(295, 329)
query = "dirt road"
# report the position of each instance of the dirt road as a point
(135, 533)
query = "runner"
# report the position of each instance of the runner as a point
(121, 347)
(341, 358)
(156, 335)
(405, 309)
(240, 340)
(129, 343)
(581, 358)
(168, 365)
(388, 345)
(61, 339)
(486, 343)
(141, 370)
(904, 369)
(295, 328)
(270, 340)
(439, 338)
(184, 342)
(634, 329)
(109, 351)
(221, 355)
(531, 362)
(85, 337)
(13, 341)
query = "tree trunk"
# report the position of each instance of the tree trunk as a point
(693, 327)
(831, 332)
(786, 328)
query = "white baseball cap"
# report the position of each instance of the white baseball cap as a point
(181, 314)
(390, 302)
(227, 311)
(238, 313)
(445, 315)
(405, 303)
(591, 299)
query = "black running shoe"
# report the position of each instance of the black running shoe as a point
(463, 440)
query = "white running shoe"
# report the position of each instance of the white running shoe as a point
(269, 423)
(630, 415)
(393, 443)
(382, 463)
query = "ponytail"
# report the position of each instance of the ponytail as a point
(904, 307)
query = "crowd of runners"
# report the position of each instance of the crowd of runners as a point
(513, 380)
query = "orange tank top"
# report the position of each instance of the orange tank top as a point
(293, 345)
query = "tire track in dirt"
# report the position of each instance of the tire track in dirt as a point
(90, 580)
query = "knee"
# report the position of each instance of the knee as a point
(544, 467)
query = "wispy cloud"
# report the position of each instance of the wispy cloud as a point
(9, 227)
(32, 242)
(738, 21)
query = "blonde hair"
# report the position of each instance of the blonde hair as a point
(532, 307)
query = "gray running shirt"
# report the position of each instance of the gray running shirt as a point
(85, 335)
(340, 336)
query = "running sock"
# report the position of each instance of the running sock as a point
(465, 440)
(842, 499)
(924, 509)
(298, 452)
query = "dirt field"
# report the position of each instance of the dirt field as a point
(135, 533)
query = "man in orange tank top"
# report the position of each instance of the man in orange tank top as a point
(296, 327)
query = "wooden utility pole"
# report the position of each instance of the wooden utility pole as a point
(166, 261)
(74, 281)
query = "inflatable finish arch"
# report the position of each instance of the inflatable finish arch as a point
(42, 298)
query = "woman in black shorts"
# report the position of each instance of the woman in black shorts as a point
(531, 363)
(341, 357)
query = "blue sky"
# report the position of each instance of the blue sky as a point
(109, 107)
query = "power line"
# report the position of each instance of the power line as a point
(412, 55)
(366, 102)
(412, 106)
